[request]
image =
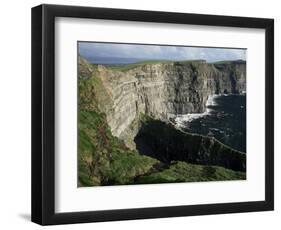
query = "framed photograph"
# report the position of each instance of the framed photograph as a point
(142, 114)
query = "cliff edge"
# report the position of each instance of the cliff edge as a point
(120, 105)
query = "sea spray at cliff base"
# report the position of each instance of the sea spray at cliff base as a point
(180, 120)
(163, 89)
(124, 112)
(224, 119)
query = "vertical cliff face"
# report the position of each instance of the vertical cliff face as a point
(163, 90)
(124, 136)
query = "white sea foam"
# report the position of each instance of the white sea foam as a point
(182, 119)
(211, 100)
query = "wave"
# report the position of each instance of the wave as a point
(211, 100)
(181, 120)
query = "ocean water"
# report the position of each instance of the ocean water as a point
(224, 119)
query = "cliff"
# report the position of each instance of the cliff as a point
(147, 150)
(163, 90)
(164, 142)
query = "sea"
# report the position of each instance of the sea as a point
(224, 119)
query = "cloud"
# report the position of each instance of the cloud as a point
(93, 50)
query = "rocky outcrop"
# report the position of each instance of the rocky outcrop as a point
(166, 143)
(163, 90)
(135, 104)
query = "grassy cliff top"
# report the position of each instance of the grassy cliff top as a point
(239, 61)
(127, 67)
(103, 159)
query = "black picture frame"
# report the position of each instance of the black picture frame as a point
(43, 114)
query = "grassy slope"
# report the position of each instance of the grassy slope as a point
(183, 172)
(104, 159)
(127, 67)
(230, 62)
(166, 143)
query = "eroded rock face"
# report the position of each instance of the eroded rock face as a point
(164, 90)
(166, 143)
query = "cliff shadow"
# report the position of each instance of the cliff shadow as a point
(164, 142)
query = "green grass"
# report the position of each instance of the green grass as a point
(229, 62)
(127, 67)
(185, 172)
(103, 159)
(172, 144)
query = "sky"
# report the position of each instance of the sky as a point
(112, 52)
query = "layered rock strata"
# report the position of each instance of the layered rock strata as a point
(164, 90)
